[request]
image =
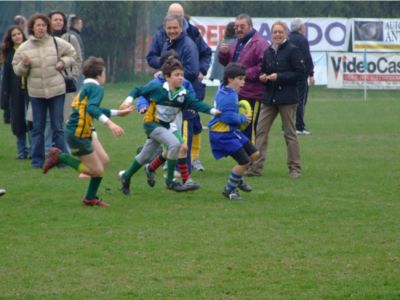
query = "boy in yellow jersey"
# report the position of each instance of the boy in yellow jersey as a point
(80, 136)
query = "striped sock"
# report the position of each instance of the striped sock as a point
(157, 162)
(183, 169)
(233, 181)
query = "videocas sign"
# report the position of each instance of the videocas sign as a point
(358, 70)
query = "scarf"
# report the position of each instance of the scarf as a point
(242, 43)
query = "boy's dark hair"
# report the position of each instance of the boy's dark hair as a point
(170, 65)
(93, 67)
(232, 71)
(169, 54)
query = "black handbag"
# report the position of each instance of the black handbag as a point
(70, 82)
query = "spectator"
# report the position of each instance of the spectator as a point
(247, 50)
(217, 70)
(76, 25)
(297, 37)
(191, 118)
(58, 23)
(282, 67)
(37, 59)
(13, 90)
(20, 21)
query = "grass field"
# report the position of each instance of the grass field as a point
(332, 234)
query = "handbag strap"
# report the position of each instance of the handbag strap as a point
(55, 43)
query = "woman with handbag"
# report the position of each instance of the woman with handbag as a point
(13, 91)
(38, 60)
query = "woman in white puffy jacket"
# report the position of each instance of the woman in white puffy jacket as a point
(38, 60)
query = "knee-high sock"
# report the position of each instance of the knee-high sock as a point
(171, 163)
(196, 143)
(72, 162)
(233, 181)
(183, 169)
(132, 169)
(93, 187)
(157, 162)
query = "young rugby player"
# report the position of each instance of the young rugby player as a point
(80, 135)
(225, 137)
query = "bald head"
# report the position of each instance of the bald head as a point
(176, 9)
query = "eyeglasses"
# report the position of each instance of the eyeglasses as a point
(241, 26)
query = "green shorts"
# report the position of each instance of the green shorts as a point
(79, 146)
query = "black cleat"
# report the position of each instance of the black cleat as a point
(125, 183)
(243, 186)
(151, 181)
(232, 195)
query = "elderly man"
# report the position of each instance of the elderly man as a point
(192, 125)
(247, 50)
(297, 37)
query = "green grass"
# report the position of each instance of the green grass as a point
(332, 234)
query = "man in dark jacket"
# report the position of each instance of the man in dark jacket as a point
(297, 37)
(191, 118)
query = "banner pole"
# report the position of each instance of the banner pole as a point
(365, 74)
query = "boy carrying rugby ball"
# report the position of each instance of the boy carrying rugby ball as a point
(225, 137)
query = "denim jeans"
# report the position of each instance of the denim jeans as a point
(40, 107)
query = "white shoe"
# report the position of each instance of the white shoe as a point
(191, 185)
(196, 164)
(2, 192)
(304, 132)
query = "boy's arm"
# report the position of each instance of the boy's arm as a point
(145, 91)
(197, 105)
(228, 108)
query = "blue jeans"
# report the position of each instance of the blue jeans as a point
(55, 107)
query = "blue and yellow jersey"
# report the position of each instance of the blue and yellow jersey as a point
(226, 101)
(86, 108)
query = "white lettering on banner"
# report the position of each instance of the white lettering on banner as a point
(354, 70)
(323, 34)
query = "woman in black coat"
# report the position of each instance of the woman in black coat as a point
(13, 91)
(282, 67)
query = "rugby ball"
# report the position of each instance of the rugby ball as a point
(245, 108)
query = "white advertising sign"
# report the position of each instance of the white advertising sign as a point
(357, 70)
(376, 35)
(323, 34)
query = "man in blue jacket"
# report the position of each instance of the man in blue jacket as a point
(192, 124)
(297, 37)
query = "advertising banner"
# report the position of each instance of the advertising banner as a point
(358, 70)
(376, 35)
(323, 34)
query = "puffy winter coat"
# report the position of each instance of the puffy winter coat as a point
(44, 81)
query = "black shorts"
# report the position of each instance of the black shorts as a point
(242, 156)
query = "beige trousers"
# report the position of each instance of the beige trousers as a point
(265, 121)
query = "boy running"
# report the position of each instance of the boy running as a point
(225, 136)
(166, 101)
(80, 136)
